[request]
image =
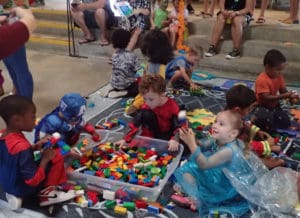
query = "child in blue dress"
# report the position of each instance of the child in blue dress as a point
(202, 177)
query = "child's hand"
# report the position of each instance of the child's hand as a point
(96, 137)
(262, 135)
(121, 143)
(173, 145)
(74, 152)
(271, 141)
(39, 144)
(194, 86)
(47, 155)
(188, 136)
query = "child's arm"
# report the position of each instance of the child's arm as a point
(217, 159)
(91, 130)
(269, 97)
(186, 77)
(32, 174)
(134, 128)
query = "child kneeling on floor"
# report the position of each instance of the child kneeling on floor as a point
(125, 64)
(21, 176)
(179, 70)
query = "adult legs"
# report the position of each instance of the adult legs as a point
(293, 16)
(217, 30)
(237, 31)
(264, 5)
(216, 34)
(78, 17)
(18, 70)
(100, 16)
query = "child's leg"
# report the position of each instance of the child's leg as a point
(57, 173)
(264, 119)
(178, 74)
(281, 119)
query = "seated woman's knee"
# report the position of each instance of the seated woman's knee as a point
(99, 12)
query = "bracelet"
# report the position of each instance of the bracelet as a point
(196, 153)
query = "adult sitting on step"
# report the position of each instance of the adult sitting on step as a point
(234, 13)
(93, 14)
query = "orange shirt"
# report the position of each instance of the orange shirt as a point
(265, 84)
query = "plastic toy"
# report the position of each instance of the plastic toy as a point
(202, 116)
(54, 141)
(182, 119)
(120, 210)
(296, 114)
(196, 92)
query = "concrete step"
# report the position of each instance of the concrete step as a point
(56, 28)
(48, 43)
(251, 48)
(273, 30)
(50, 14)
(245, 67)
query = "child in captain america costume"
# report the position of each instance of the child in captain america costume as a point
(66, 119)
(21, 177)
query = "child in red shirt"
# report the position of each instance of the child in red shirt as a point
(21, 176)
(269, 115)
(158, 115)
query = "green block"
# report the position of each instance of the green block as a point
(129, 206)
(110, 204)
(106, 172)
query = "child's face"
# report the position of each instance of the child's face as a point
(222, 129)
(276, 71)
(192, 58)
(27, 120)
(153, 99)
(176, 4)
(164, 4)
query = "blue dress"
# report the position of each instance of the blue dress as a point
(210, 187)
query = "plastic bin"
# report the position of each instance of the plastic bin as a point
(136, 191)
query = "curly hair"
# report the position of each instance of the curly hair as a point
(120, 38)
(152, 82)
(156, 46)
(240, 96)
(274, 58)
(14, 105)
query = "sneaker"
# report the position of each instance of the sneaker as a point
(14, 202)
(53, 195)
(190, 8)
(234, 54)
(117, 94)
(211, 51)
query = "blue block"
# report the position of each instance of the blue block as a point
(153, 209)
(89, 172)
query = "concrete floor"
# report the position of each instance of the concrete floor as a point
(55, 75)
